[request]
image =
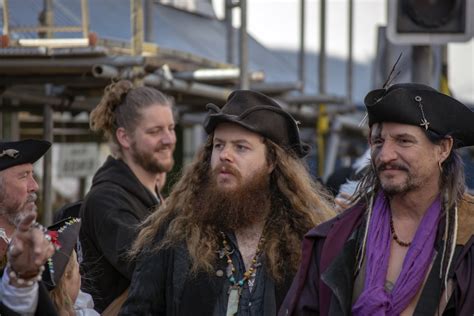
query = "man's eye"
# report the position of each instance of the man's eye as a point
(241, 148)
(405, 141)
(377, 141)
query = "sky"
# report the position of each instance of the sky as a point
(275, 23)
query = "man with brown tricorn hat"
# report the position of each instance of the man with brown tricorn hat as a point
(407, 246)
(24, 247)
(227, 239)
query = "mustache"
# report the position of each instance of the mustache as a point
(31, 197)
(227, 168)
(163, 147)
(392, 166)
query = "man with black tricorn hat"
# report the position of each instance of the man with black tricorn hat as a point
(407, 246)
(24, 246)
(227, 239)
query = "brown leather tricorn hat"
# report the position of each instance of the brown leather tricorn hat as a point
(260, 114)
(421, 105)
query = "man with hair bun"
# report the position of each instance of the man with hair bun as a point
(139, 125)
(227, 239)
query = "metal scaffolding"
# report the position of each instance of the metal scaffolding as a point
(32, 67)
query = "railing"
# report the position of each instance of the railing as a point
(46, 29)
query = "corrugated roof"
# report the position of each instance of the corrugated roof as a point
(194, 34)
(173, 29)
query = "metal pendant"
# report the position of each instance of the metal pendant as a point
(228, 270)
(233, 303)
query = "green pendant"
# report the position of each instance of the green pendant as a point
(233, 303)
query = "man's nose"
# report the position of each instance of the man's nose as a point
(387, 152)
(169, 138)
(33, 185)
(225, 154)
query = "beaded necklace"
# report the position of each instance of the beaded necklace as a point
(395, 237)
(236, 286)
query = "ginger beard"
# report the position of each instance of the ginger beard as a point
(149, 162)
(231, 209)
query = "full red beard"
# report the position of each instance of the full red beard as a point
(231, 209)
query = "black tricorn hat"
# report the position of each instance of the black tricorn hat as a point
(64, 236)
(421, 105)
(260, 114)
(21, 152)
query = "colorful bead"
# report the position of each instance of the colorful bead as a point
(247, 274)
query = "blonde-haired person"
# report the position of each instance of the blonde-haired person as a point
(139, 125)
(61, 274)
(67, 290)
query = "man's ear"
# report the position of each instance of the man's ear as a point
(123, 137)
(270, 157)
(271, 167)
(446, 146)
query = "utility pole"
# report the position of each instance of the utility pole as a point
(422, 61)
(244, 54)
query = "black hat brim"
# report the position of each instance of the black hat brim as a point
(399, 104)
(68, 233)
(216, 117)
(28, 151)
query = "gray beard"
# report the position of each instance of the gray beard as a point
(16, 216)
(13, 218)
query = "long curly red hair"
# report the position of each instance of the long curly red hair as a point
(298, 204)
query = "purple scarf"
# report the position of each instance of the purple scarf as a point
(374, 300)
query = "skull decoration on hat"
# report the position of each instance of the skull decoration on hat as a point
(21, 152)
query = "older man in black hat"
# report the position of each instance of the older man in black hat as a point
(24, 248)
(407, 246)
(226, 242)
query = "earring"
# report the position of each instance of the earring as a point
(440, 166)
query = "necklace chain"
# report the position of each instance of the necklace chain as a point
(395, 237)
(247, 274)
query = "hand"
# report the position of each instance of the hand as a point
(342, 202)
(29, 248)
